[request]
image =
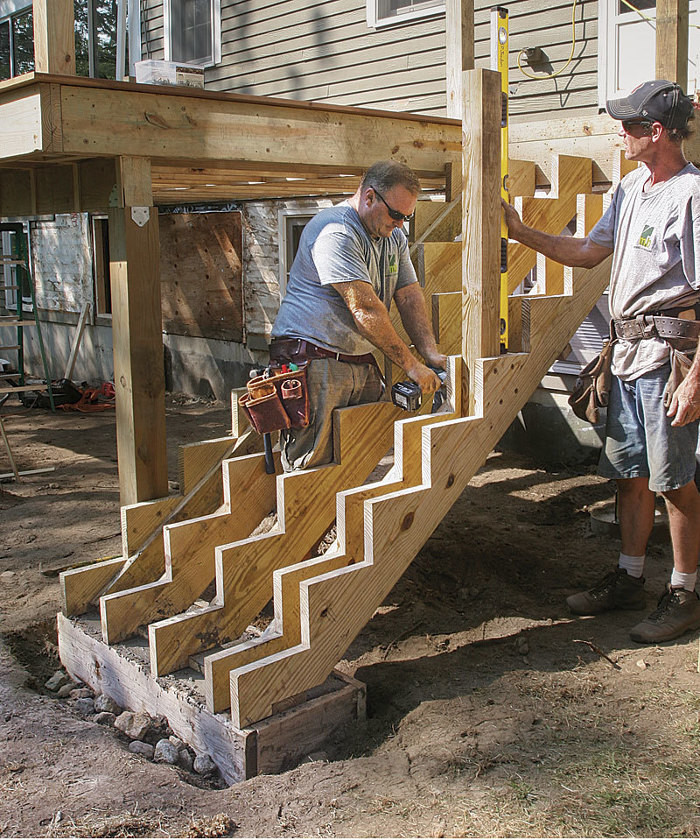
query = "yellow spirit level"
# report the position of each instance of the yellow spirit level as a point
(499, 62)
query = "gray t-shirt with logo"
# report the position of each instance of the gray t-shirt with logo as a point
(336, 248)
(655, 235)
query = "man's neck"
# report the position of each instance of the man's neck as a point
(665, 167)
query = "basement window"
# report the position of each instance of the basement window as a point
(385, 12)
(100, 265)
(193, 31)
(291, 225)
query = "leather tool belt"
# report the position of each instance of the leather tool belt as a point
(298, 349)
(277, 400)
(655, 326)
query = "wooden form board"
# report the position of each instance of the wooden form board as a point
(201, 274)
(273, 745)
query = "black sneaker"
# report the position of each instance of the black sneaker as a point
(616, 591)
(678, 611)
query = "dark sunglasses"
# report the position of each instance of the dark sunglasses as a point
(395, 215)
(629, 125)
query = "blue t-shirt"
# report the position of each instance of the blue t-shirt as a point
(336, 248)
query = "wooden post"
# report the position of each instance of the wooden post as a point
(481, 237)
(459, 50)
(54, 37)
(672, 41)
(139, 376)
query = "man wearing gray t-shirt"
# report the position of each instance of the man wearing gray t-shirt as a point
(352, 262)
(652, 229)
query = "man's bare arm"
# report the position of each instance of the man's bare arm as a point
(569, 250)
(414, 316)
(374, 324)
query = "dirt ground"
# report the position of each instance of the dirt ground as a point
(491, 710)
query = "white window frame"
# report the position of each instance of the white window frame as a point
(608, 46)
(283, 217)
(215, 53)
(375, 20)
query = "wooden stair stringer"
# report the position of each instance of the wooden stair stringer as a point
(571, 176)
(406, 472)
(82, 587)
(336, 606)
(189, 548)
(306, 500)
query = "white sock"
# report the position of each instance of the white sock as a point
(685, 579)
(634, 566)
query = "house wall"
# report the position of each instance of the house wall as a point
(323, 50)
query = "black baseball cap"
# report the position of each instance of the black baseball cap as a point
(657, 101)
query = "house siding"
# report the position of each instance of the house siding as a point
(324, 51)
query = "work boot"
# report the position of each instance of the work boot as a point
(678, 611)
(616, 591)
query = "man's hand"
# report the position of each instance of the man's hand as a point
(513, 220)
(428, 380)
(436, 360)
(685, 403)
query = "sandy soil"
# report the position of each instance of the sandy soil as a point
(490, 713)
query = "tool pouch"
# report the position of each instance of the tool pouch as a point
(592, 387)
(680, 365)
(278, 401)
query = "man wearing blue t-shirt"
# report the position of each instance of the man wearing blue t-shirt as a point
(652, 228)
(352, 262)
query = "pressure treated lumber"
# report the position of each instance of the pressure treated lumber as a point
(335, 606)
(406, 472)
(83, 586)
(54, 36)
(189, 551)
(270, 747)
(672, 41)
(570, 177)
(305, 509)
(139, 378)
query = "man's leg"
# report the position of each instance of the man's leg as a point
(683, 506)
(635, 511)
(678, 610)
(624, 459)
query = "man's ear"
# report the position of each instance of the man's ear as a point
(656, 130)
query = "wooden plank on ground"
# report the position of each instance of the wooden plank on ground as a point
(270, 747)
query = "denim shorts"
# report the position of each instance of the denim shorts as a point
(640, 441)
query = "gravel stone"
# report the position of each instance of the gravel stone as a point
(204, 765)
(133, 724)
(177, 742)
(85, 705)
(80, 693)
(185, 759)
(141, 748)
(59, 679)
(166, 752)
(103, 703)
(105, 718)
(65, 690)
